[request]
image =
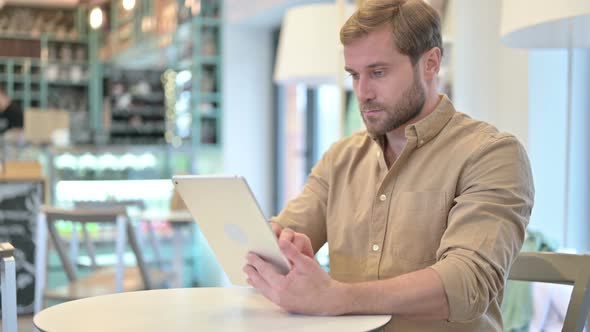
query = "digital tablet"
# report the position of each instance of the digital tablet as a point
(231, 220)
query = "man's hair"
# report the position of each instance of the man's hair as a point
(414, 23)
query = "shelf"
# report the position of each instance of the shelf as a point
(136, 131)
(205, 101)
(210, 60)
(210, 98)
(42, 79)
(124, 129)
(67, 40)
(186, 64)
(64, 63)
(48, 37)
(124, 20)
(210, 21)
(209, 111)
(20, 61)
(82, 83)
(155, 97)
(147, 126)
(210, 146)
(137, 141)
(209, 116)
(140, 110)
(80, 149)
(23, 36)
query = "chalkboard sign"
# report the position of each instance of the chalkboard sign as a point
(20, 202)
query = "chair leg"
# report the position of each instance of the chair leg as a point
(89, 247)
(178, 250)
(143, 268)
(74, 246)
(40, 262)
(578, 307)
(120, 268)
(155, 243)
(8, 284)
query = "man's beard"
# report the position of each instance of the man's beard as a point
(408, 107)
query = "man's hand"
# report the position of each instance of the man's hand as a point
(299, 240)
(306, 289)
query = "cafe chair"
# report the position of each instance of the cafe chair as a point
(8, 285)
(99, 281)
(559, 268)
(136, 204)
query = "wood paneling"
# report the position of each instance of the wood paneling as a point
(20, 48)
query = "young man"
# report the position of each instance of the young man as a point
(11, 114)
(424, 212)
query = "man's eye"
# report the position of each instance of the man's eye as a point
(354, 76)
(378, 73)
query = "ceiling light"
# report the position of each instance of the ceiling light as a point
(96, 18)
(128, 5)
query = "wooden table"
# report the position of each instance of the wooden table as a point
(190, 309)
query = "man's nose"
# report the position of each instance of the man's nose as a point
(364, 90)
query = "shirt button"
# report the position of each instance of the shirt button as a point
(382, 197)
(421, 141)
(375, 247)
(379, 154)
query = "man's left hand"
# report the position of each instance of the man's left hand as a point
(306, 289)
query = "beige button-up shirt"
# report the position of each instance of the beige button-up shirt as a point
(457, 200)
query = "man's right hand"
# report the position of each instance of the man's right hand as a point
(299, 240)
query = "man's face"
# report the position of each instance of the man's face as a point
(387, 86)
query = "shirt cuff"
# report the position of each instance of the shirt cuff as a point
(464, 302)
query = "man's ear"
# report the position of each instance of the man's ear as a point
(431, 60)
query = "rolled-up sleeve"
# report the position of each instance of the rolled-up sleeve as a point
(307, 212)
(485, 226)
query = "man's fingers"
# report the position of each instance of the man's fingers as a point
(287, 235)
(276, 229)
(301, 241)
(303, 245)
(266, 270)
(293, 254)
(258, 282)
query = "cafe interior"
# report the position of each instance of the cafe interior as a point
(116, 97)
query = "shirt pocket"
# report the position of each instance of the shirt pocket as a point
(418, 222)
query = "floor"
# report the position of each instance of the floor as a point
(25, 323)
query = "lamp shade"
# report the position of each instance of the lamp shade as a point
(309, 45)
(545, 23)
